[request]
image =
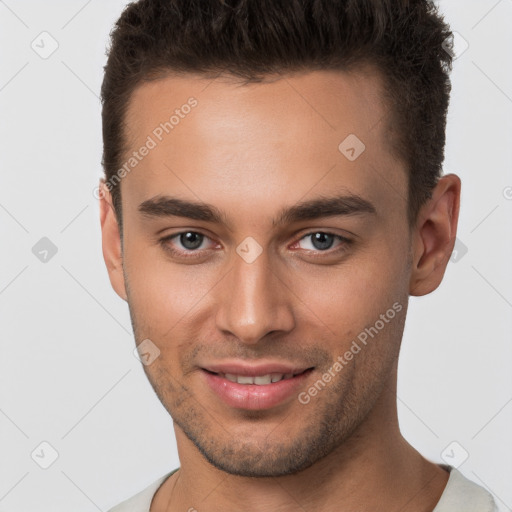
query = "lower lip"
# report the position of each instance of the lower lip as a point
(253, 396)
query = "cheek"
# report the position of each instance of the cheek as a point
(162, 293)
(349, 296)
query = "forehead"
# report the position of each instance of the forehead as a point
(326, 100)
(293, 133)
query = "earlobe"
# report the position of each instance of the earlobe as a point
(111, 241)
(434, 236)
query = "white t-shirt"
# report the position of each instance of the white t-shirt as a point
(459, 495)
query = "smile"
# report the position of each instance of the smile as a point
(258, 392)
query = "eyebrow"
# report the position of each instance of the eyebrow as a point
(350, 204)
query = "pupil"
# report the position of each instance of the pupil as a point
(191, 240)
(322, 240)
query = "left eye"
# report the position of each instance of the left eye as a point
(190, 240)
(320, 241)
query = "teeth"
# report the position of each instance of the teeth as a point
(264, 379)
(260, 380)
(245, 380)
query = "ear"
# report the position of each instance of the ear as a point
(111, 241)
(434, 236)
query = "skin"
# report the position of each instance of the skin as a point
(251, 151)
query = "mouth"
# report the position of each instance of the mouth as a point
(258, 380)
(255, 392)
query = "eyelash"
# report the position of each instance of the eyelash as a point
(199, 253)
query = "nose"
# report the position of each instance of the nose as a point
(254, 301)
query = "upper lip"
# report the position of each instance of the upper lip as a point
(249, 370)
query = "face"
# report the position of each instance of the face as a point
(251, 238)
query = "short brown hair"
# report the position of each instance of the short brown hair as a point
(406, 40)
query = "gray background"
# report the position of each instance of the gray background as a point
(68, 376)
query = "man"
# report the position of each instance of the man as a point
(273, 195)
